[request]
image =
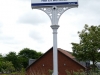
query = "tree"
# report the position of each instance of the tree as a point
(1, 57)
(89, 46)
(12, 57)
(39, 54)
(26, 54)
(6, 67)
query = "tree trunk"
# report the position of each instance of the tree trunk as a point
(93, 66)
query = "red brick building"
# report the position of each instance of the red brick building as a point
(44, 64)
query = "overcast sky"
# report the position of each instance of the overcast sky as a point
(21, 27)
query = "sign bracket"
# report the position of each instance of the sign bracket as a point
(59, 12)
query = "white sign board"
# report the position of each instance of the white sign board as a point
(48, 3)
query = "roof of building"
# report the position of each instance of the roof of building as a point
(67, 53)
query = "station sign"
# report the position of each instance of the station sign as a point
(49, 3)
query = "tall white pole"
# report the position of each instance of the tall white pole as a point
(55, 26)
(55, 52)
(54, 13)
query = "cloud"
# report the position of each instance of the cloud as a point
(23, 27)
(5, 38)
(34, 17)
(86, 13)
(36, 36)
(1, 25)
(8, 40)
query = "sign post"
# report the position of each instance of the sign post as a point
(54, 9)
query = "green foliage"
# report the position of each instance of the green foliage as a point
(1, 57)
(12, 57)
(68, 73)
(13, 62)
(6, 67)
(50, 72)
(89, 46)
(26, 54)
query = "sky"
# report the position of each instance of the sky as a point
(23, 27)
